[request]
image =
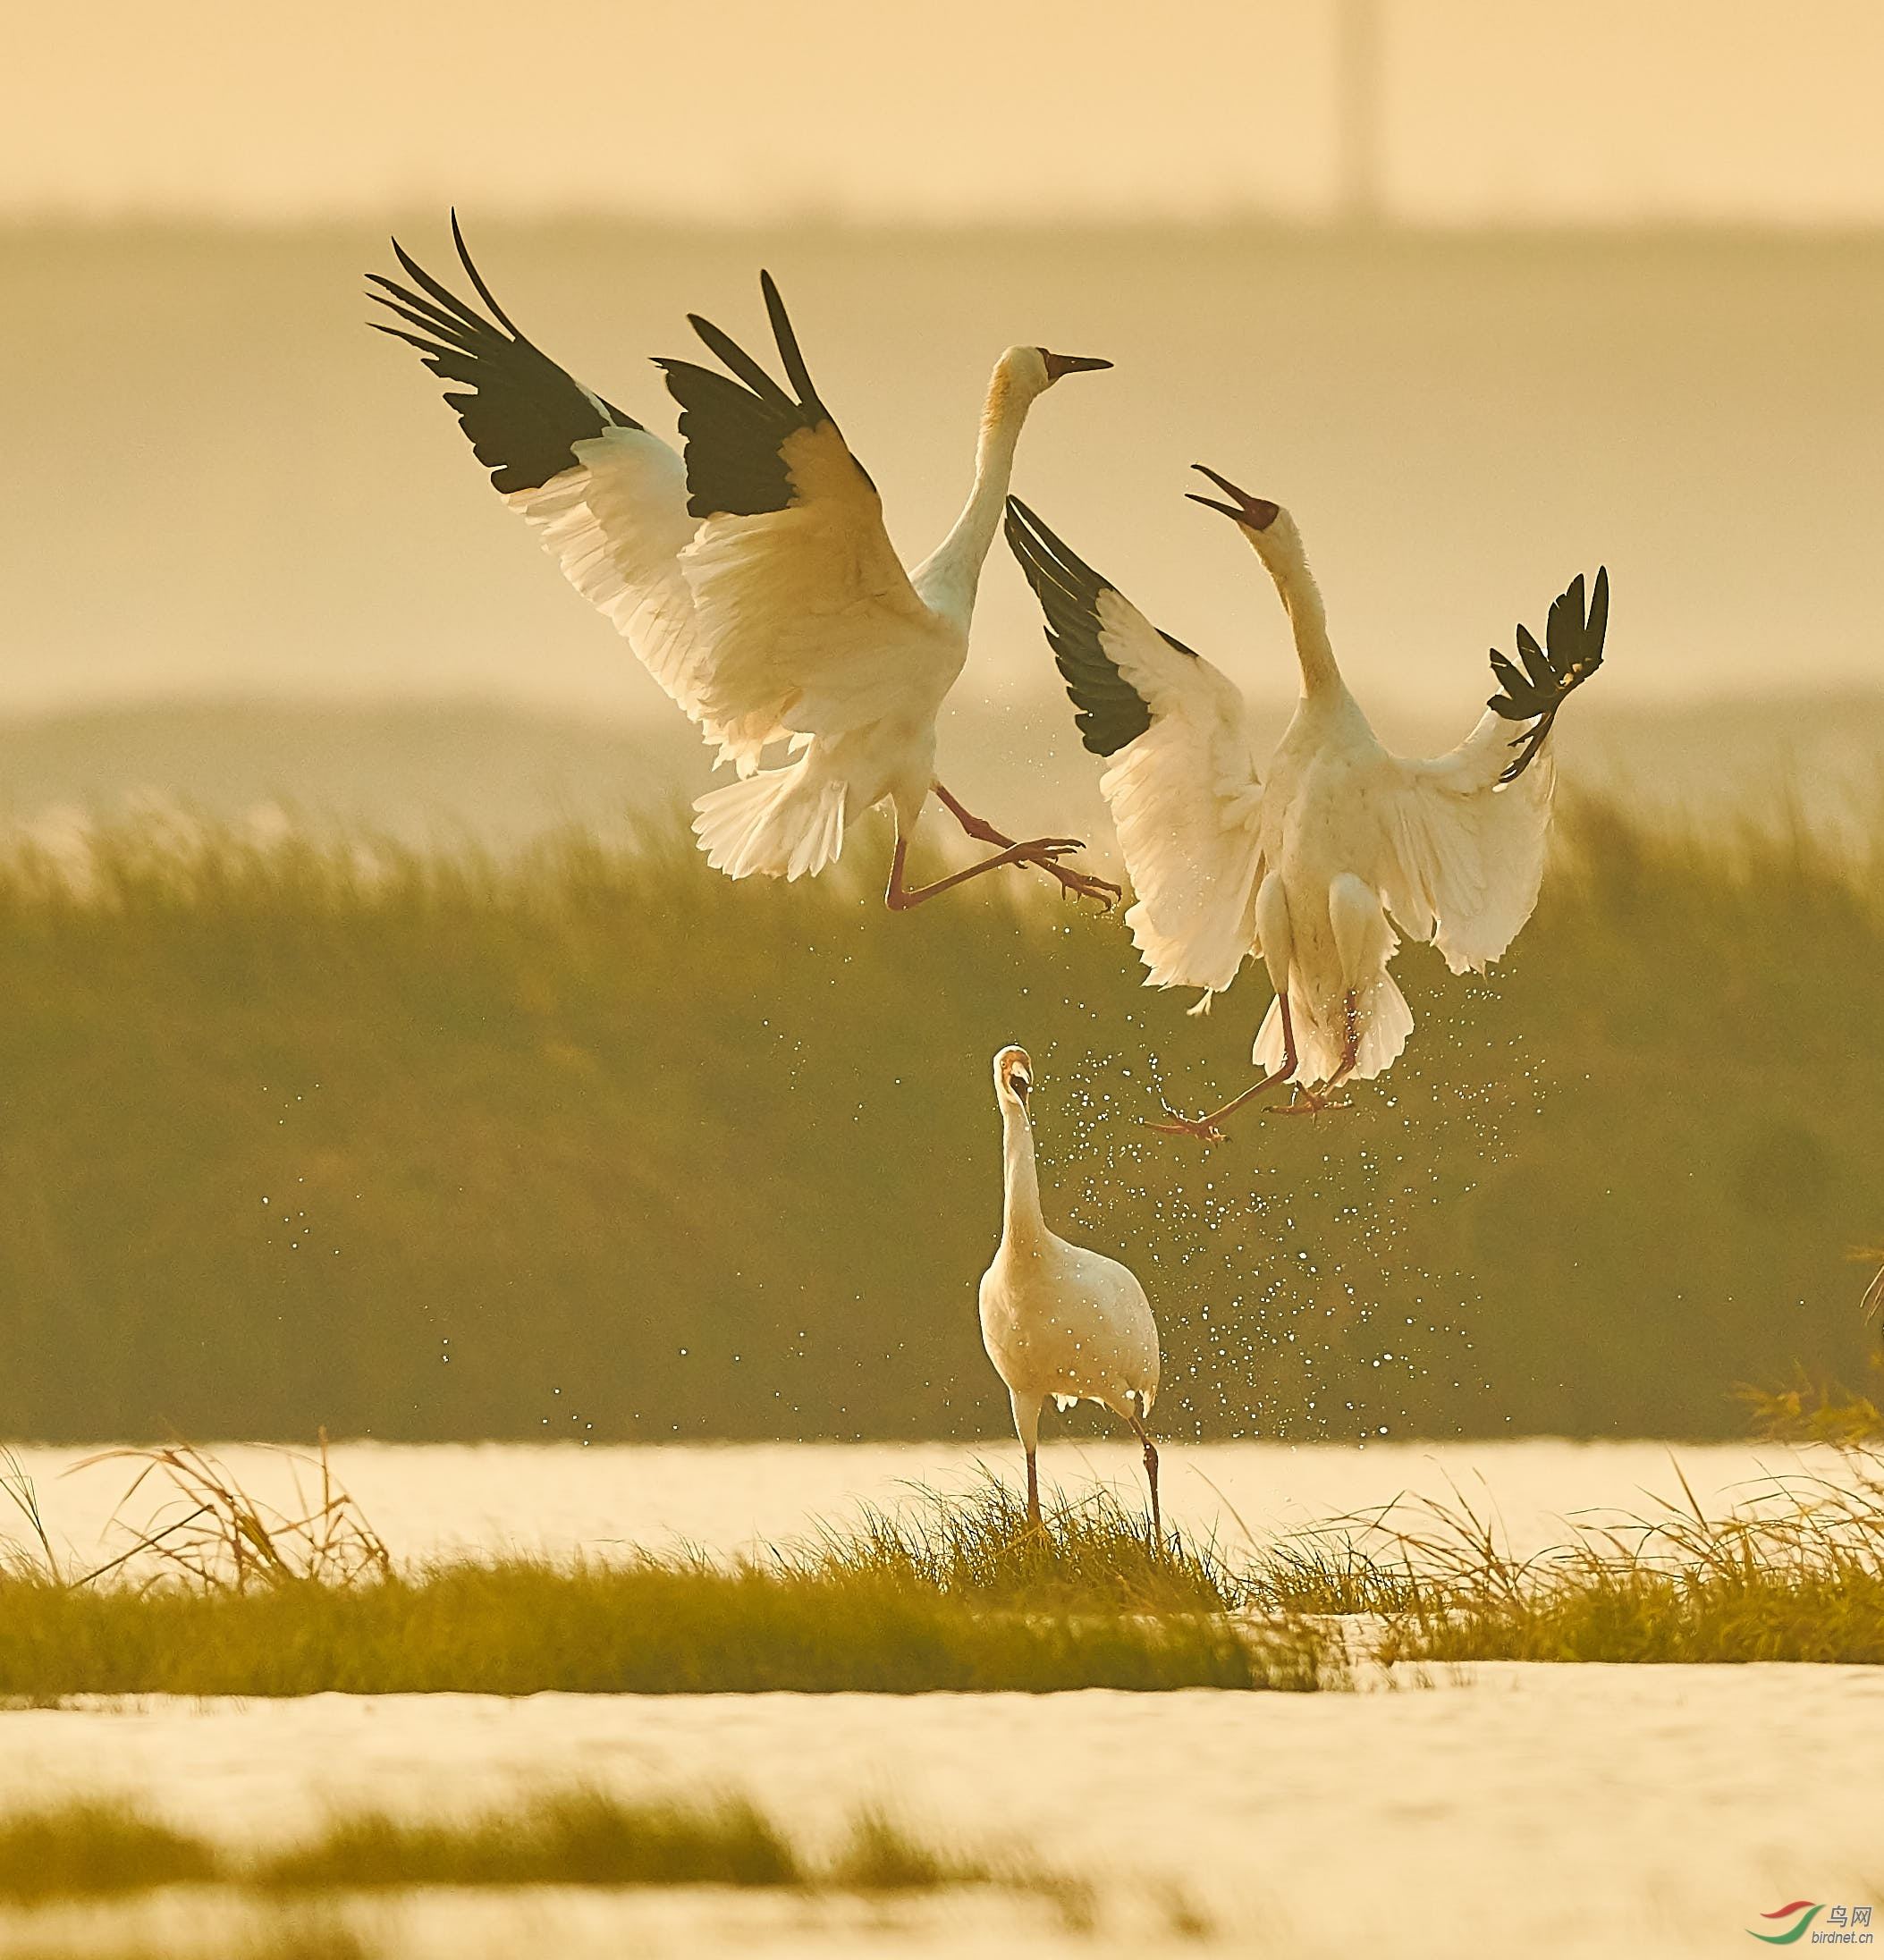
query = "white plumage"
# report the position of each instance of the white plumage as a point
(1058, 1318)
(753, 577)
(1321, 867)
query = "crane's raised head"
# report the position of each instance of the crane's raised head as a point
(1252, 513)
(1268, 526)
(1013, 1077)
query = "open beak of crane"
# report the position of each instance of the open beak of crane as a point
(1022, 1087)
(1258, 514)
(1071, 364)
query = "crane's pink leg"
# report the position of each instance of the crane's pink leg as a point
(1314, 1101)
(1077, 882)
(1034, 1488)
(1205, 1128)
(1039, 851)
(1150, 1475)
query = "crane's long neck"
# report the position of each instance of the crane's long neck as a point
(948, 578)
(1022, 1224)
(1307, 621)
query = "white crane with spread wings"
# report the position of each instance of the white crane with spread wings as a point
(1314, 868)
(752, 575)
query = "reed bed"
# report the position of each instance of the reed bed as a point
(650, 1629)
(95, 1849)
(968, 1597)
(978, 1547)
(949, 1593)
(293, 1934)
(594, 1145)
(576, 1837)
(1796, 1571)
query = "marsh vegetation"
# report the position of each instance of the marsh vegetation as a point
(311, 1898)
(959, 1592)
(228, 1596)
(427, 1146)
(92, 1849)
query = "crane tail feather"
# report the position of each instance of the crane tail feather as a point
(780, 824)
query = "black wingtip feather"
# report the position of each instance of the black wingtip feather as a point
(1573, 650)
(476, 278)
(735, 425)
(523, 414)
(796, 371)
(1109, 711)
(722, 345)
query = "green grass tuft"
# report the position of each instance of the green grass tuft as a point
(1091, 1552)
(575, 1838)
(294, 1935)
(519, 1628)
(965, 1595)
(572, 1838)
(1653, 1617)
(1796, 1573)
(1816, 1410)
(881, 1856)
(93, 1848)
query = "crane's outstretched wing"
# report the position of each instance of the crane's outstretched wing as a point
(1571, 652)
(1463, 856)
(607, 499)
(1466, 832)
(812, 620)
(1181, 786)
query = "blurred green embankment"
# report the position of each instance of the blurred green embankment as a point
(593, 1144)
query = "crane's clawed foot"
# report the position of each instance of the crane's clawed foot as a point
(1044, 850)
(1307, 1103)
(1081, 885)
(1200, 1126)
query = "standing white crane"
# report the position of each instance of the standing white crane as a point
(1306, 868)
(1057, 1318)
(754, 578)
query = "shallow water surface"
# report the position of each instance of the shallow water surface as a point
(1501, 1809)
(725, 1498)
(1572, 1810)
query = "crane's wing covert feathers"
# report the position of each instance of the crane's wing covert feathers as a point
(1181, 784)
(813, 624)
(1466, 832)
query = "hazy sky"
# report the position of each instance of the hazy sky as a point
(1715, 109)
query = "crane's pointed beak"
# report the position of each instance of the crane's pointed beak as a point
(1255, 513)
(1071, 364)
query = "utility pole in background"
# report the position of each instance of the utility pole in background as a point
(1360, 200)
